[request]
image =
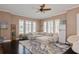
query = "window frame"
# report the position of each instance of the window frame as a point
(30, 26)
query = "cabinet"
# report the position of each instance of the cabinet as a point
(13, 32)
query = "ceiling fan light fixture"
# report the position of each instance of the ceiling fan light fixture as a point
(44, 8)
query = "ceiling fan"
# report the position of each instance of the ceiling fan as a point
(43, 8)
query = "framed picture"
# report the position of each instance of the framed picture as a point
(3, 25)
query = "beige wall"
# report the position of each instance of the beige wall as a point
(38, 25)
(71, 21)
(70, 16)
(9, 19)
(5, 17)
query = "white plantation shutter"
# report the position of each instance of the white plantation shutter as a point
(21, 26)
(44, 26)
(57, 22)
(34, 26)
(26, 26)
(48, 26)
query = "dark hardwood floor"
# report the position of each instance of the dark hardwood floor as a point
(69, 51)
(10, 47)
(14, 47)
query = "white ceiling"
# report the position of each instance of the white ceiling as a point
(31, 10)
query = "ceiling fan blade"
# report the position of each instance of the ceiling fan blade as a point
(47, 9)
(43, 9)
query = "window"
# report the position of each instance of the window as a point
(34, 26)
(44, 27)
(21, 26)
(48, 26)
(51, 26)
(26, 26)
(57, 22)
(30, 26)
